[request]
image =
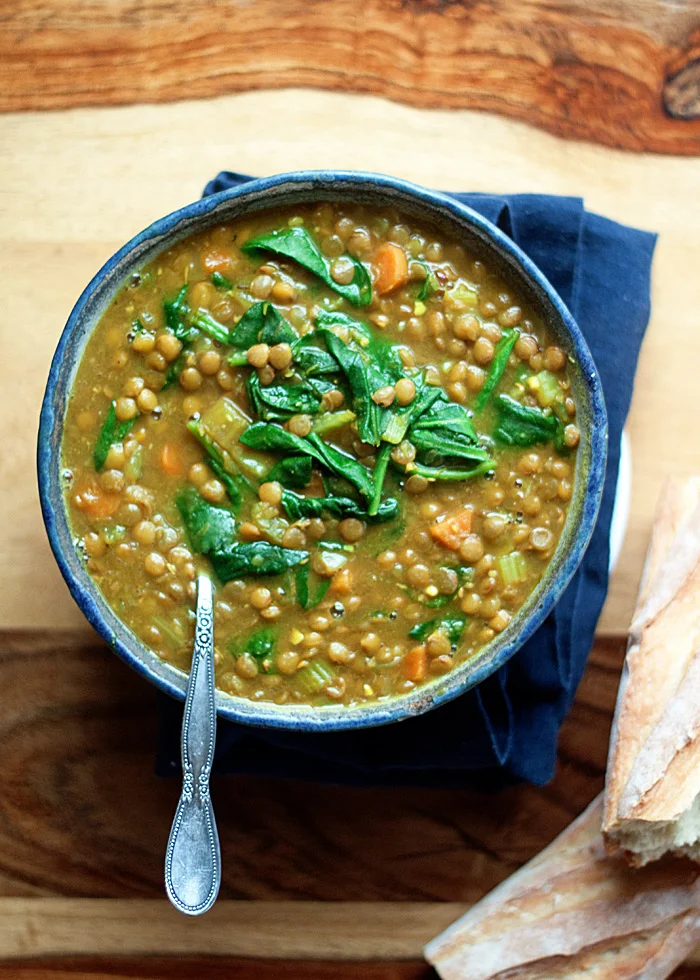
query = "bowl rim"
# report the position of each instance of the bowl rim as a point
(332, 717)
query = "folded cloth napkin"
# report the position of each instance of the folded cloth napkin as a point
(506, 728)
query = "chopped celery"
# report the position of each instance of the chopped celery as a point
(225, 422)
(134, 465)
(238, 359)
(379, 226)
(222, 464)
(522, 373)
(171, 629)
(329, 421)
(113, 533)
(315, 676)
(545, 388)
(513, 568)
(272, 527)
(460, 295)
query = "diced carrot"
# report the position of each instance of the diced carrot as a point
(249, 531)
(94, 501)
(452, 531)
(216, 260)
(170, 461)
(415, 663)
(391, 265)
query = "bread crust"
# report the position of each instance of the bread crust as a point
(574, 910)
(653, 777)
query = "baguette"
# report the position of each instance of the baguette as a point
(652, 802)
(573, 912)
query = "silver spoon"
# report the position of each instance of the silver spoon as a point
(193, 857)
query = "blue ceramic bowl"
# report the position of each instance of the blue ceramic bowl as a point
(458, 222)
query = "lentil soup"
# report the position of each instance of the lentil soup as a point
(356, 427)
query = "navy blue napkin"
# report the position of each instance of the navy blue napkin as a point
(506, 729)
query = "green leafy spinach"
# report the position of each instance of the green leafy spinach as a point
(297, 244)
(112, 431)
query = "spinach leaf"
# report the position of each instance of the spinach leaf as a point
(220, 426)
(378, 476)
(368, 364)
(365, 377)
(221, 282)
(175, 312)
(281, 401)
(297, 244)
(185, 324)
(343, 465)
(352, 329)
(273, 438)
(445, 431)
(298, 507)
(260, 645)
(293, 472)
(311, 360)
(451, 472)
(446, 416)
(270, 437)
(403, 416)
(112, 431)
(453, 627)
(255, 558)
(498, 365)
(430, 284)
(521, 425)
(175, 369)
(204, 321)
(434, 444)
(306, 598)
(217, 462)
(211, 528)
(262, 324)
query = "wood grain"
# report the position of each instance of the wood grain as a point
(207, 968)
(82, 815)
(582, 70)
(215, 968)
(342, 931)
(112, 937)
(77, 184)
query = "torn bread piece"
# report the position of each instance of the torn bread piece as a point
(576, 912)
(652, 803)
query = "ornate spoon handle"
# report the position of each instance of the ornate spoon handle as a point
(193, 857)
